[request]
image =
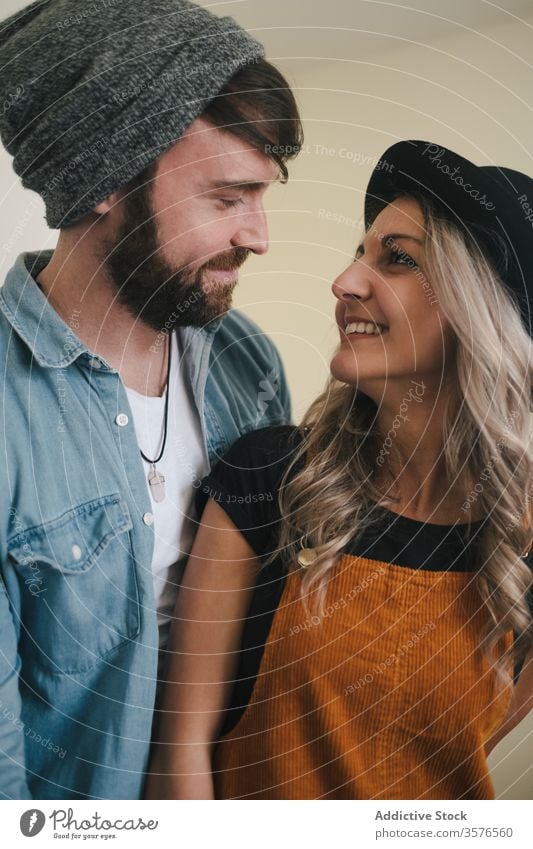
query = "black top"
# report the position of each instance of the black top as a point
(245, 483)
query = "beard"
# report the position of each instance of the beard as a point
(159, 295)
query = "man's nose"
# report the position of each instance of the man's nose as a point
(252, 232)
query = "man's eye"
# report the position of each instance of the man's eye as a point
(230, 202)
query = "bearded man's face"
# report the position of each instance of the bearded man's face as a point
(183, 234)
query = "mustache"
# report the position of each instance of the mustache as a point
(229, 260)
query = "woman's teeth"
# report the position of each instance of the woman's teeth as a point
(367, 327)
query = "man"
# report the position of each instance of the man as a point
(152, 131)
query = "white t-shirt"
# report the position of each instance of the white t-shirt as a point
(183, 461)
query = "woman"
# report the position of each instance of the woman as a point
(358, 589)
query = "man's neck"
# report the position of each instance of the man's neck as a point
(79, 290)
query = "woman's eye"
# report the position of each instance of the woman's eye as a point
(230, 202)
(401, 258)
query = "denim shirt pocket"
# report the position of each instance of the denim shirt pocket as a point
(78, 582)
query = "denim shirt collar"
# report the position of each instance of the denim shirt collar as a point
(50, 339)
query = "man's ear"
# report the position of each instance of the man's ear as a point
(107, 203)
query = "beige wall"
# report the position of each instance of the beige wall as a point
(472, 91)
(464, 91)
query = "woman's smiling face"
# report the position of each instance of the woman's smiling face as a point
(387, 285)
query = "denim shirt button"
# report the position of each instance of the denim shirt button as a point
(76, 552)
(94, 363)
(122, 420)
(148, 518)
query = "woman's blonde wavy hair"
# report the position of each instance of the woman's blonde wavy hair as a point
(327, 500)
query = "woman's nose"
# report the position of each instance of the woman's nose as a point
(354, 282)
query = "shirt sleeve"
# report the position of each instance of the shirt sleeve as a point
(245, 483)
(13, 784)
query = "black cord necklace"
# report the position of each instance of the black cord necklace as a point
(157, 479)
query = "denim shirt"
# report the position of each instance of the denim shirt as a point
(78, 630)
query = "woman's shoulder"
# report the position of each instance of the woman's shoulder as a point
(254, 466)
(245, 481)
(274, 444)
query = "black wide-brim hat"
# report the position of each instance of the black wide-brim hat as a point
(492, 205)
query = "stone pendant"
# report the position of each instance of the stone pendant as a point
(157, 484)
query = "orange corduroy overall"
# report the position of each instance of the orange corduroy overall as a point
(388, 696)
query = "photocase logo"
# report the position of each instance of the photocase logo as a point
(32, 822)
(269, 387)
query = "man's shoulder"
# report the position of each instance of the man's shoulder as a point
(246, 375)
(241, 328)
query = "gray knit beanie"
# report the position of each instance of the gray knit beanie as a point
(93, 92)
